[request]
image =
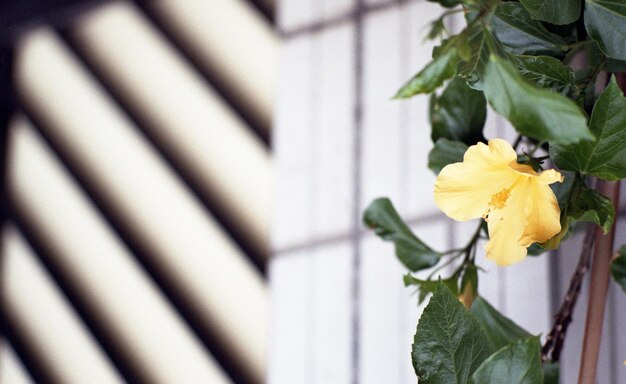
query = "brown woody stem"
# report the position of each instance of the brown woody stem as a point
(598, 289)
(551, 350)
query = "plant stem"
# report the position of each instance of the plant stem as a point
(599, 285)
(551, 350)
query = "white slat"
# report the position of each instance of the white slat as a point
(150, 334)
(38, 310)
(185, 243)
(189, 120)
(232, 40)
(11, 369)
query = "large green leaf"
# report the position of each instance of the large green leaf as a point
(499, 329)
(547, 72)
(557, 12)
(537, 113)
(381, 216)
(605, 21)
(448, 344)
(517, 363)
(605, 156)
(591, 206)
(432, 76)
(521, 35)
(618, 268)
(445, 152)
(458, 114)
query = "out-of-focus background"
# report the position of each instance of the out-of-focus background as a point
(182, 187)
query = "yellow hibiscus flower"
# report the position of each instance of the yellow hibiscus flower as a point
(517, 202)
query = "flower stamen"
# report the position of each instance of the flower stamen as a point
(498, 200)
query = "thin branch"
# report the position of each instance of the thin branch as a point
(551, 350)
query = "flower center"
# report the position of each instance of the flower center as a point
(498, 200)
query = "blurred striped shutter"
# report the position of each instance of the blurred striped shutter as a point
(138, 186)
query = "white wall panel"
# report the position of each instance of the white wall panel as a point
(382, 166)
(333, 129)
(311, 301)
(314, 138)
(294, 14)
(291, 284)
(389, 310)
(332, 302)
(292, 141)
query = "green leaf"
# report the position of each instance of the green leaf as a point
(517, 363)
(445, 152)
(458, 114)
(499, 329)
(429, 286)
(475, 47)
(591, 206)
(580, 203)
(432, 76)
(448, 344)
(605, 21)
(437, 29)
(605, 156)
(521, 35)
(618, 268)
(537, 113)
(550, 373)
(557, 12)
(547, 72)
(381, 216)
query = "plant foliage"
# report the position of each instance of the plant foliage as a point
(517, 57)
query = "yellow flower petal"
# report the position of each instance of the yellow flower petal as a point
(531, 215)
(515, 200)
(542, 211)
(506, 226)
(463, 190)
